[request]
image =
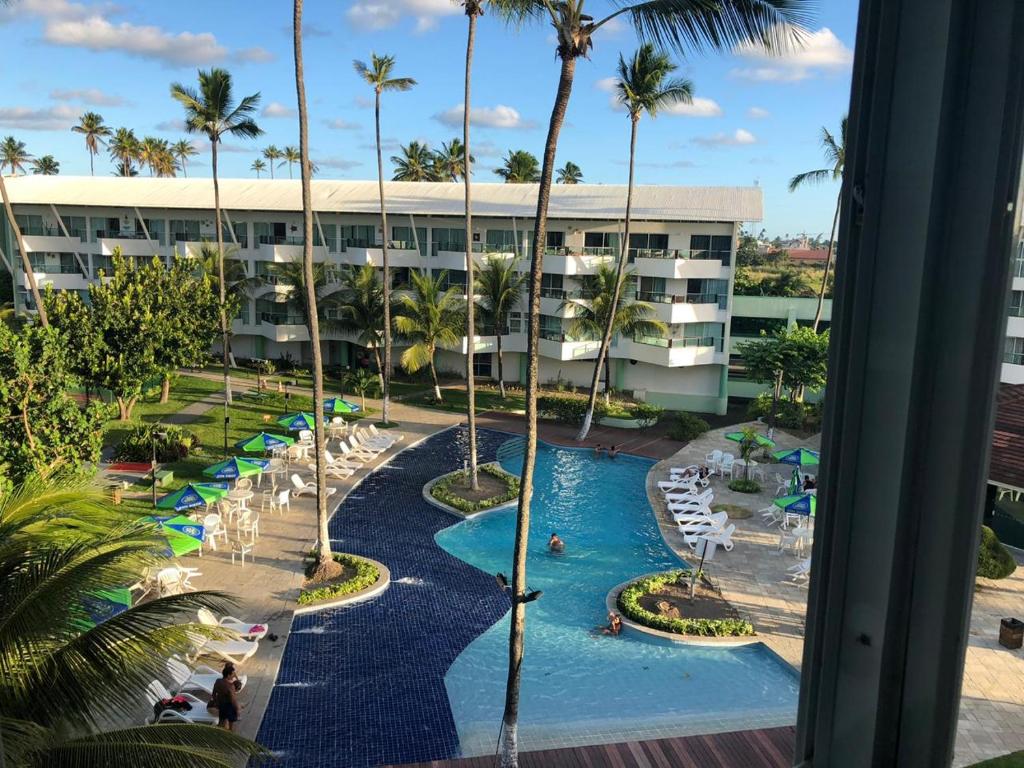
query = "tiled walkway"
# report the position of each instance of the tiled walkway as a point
(364, 685)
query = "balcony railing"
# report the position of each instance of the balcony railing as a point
(552, 334)
(280, 240)
(674, 343)
(276, 318)
(553, 293)
(109, 233)
(43, 231)
(56, 269)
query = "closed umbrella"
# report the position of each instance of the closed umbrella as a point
(338, 405)
(236, 467)
(193, 495)
(802, 457)
(263, 442)
(183, 534)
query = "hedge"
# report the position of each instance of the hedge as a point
(440, 490)
(994, 560)
(629, 605)
(366, 576)
(688, 427)
(570, 409)
(137, 445)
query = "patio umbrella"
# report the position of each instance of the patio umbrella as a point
(338, 405)
(293, 422)
(193, 495)
(183, 534)
(263, 442)
(802, 457)
(106, 603)
(798, 504)
(738, 437)
(236, 467)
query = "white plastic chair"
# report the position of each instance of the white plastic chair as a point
(212, 528)
(713, 459)
(678, 498)
(306, 436)
(185, 575)
(799, 574)
(200, 678)
(168, 582)
(782, 485)
(284, 500)
(705, 523)
(244, 629)
(361, 448)
(248, 526)
(722, 538)
(243, 484)
(156, 692)
(725, 465)
(771, 515)
(387, 433)
(335, 471)
(686, 484)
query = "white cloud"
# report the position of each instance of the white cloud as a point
(94, 97)
(308, 30)
(818, 52)
(254, 55)
(171, 126)
(99, 34)
(738, 137)
(485, 149)
(699, 107)
(499, 116)
(372, 15)
(338, 124)
(758, 113)
(606, 84)
(58, 118)
(337, 163)
(238, 149)
(277, 109)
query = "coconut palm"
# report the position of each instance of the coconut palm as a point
(259, 166)
(290, 155)
(124, 148)
(13, 155)
(61, 545)
(499, 288)
(643, 85)
(835, 156)
(150, 149)
(95, 131)
(211, 110)
(272, 154)
(683, 26)
(570, 173)
(362, 383)
(378, 75)
(450, 161)
(416, 163)
(182, 150)
(359, 308)
(428, 317)
(521, 167)
(163, 162)
(46, 165)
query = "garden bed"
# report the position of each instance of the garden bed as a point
(454, 493)
(358, 578)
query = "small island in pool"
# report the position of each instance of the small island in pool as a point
(455, 493)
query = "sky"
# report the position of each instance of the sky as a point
(753, 120)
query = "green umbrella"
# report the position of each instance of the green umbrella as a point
(183, 534)
(293, 422)
(802, 457)
(798, 504)
(337, 405)
(236, 467)
(262, 442)
(193, 495)
(739, 437)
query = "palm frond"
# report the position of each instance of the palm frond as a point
(810, 177)
(416, 357)
(398, 84)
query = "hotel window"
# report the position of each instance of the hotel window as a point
(404, 238)
(551, 328)
(76, 226)
(716, 247)
(448, 239)
(1014, 354)
(753, 326)
(32, 224)
(399, 278)
(601, 243)
(504, 240)
(454, 278)
(551, 286)
(647, 244)
(184, 230)
(1017, 304)
(155, 227)
(515, 322)
(331, 234)
(653, 289)
(359, 235)
(241, 233)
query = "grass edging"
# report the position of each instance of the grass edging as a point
(463, 508)
(352, 591)
(613, 605)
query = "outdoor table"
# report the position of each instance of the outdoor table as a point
(242, 497)
(739, 464)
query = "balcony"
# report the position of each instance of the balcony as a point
(679, 264)
(686, 308)
(568, 262)
(287, 249)
(674, 352)
(282, 326)
(400, 254)
(130, 243)
(53, 241)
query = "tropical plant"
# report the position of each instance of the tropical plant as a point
(124, 148)
(263, 369)
(835, 156)
(63, 548)
(429, 317)
(272, 154)
(362, 382)
(450, 161)
(13, 155)
(181, 151)
(258, 166)
(683, 26)
(124, 169)
(290, 156)
(378, 75)
(499, 288)
(521, 167)
(570, 173)
(994, 559)
(359, 308)
(211, 110)
(416, 163)
(642, 86)
(150, 151)
(91, 126)
(46, 165)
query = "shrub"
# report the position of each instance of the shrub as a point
(441, 490)
(366, 575)
(744, 486)
(285, 362)
(647, 414)
(994, 560)
(788, 414)
(688, 427)
(137, 445)
(568, 409)
(629, 605)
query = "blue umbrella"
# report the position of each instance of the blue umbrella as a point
(798, 504)
(183, 534)
(799, 456)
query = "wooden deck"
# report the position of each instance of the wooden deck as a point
(771, 748)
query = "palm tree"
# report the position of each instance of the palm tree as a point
(499, 286)
(521, 167)
(359, 306)
(46, 165)
(150, 150)
(212, 111)
(182, 150)
(684, 26)
(259, 166)
(428, 317)
(163, 162)
(378, 75)
(416, 163)
(450, 161)
(642, 86)
(362, 383)
(835, 156)
(62, 546)
(272, 154)
(92, 127)
(290, 155)
(13, 155)
(570, 173)
(124, 148)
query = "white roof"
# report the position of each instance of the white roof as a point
(580, 201)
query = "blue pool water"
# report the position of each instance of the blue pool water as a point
(578, 686)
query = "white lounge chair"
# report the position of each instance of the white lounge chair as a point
(299, 487)
(235, 651)
(374, 441)
(684, 511)
(675, 498)
(360, 447)
(696, 524)
(722, 537)
(396, 437)
(687, 484)
(156, 692)
(199, 678)
(335, 471)
(244, 629)
(341, 462)
(799, 574)
(169, 582)
(350, 457)
(771, 515)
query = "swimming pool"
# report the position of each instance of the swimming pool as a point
(578, 686)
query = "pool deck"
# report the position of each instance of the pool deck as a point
(753, 578)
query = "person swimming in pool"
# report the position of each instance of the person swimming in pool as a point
(555, 544)
(613, 452)
(598, 450)
(614, 625)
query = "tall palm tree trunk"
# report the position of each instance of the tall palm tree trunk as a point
(26, 263)
(92, 160)
(510, 719)
(271, 166)
(433, 378)
(828, 264)
(470, 285)
(325, 566)
(606, 339)
(184, 168)
(222, 291)
(501, 372)
(386, 371)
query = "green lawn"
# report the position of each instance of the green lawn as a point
(1014, 760)
(487, 399)
(185, 390)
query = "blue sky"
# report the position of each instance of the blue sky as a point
(753, 119)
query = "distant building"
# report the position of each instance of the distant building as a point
(808, 255)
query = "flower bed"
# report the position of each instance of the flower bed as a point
(357, 576)
(447, 490)
(629, 605)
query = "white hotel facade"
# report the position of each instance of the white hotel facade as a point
(682, 253)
